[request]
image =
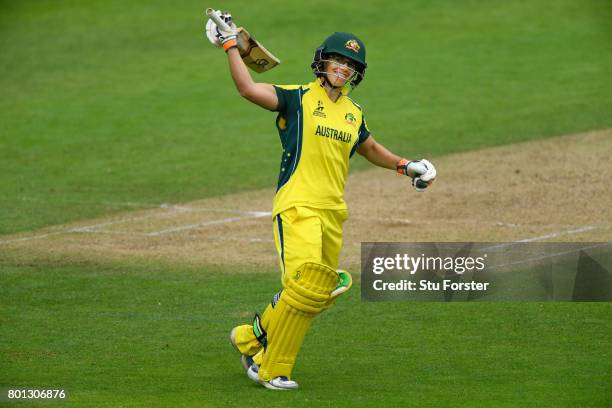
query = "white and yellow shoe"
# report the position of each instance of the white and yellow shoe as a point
(278, 383)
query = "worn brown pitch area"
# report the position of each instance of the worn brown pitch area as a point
(558, 189)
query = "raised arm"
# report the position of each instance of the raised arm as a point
(222, 31)
(260, 94)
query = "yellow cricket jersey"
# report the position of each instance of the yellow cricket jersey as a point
(318, 137)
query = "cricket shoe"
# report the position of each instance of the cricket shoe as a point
(277, 383)
(246, 361)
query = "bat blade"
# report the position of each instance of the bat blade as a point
(255, 55)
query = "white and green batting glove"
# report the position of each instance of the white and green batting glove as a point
(220, 29)
(345, 281)
(422, 172)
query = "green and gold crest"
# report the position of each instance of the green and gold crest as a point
(350, 119)
(352, 45)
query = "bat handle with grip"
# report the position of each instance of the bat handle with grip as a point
(217, 19)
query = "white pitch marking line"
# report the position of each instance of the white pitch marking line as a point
(87, 229)
(94, 227)
(558, 234)
(206, 209)
(9, 241)
(234, 239)
(148, 234)
(253, 214)
(108, 232)
(90, 228)
(434, 222)
(543, 237)
(551, 255)
(170, 207)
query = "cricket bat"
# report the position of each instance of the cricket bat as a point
(254, 55)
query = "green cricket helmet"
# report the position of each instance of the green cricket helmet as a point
(347, 45)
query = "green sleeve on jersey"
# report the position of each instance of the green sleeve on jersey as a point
(286, 95)
(364, 132)
(289, 125)
(282, 96)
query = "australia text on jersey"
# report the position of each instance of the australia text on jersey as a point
(335, 134)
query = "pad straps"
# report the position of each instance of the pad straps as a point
(258, 330)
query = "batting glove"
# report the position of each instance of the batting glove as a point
(223, 36)
(422, 172)
(345, 281)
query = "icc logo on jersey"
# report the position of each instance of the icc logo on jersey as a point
(319, 110)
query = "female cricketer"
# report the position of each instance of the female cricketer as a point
(320, 128)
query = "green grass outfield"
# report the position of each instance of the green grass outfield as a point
(110, 105)
(129, 335)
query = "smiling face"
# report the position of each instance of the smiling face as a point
(339, 69)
